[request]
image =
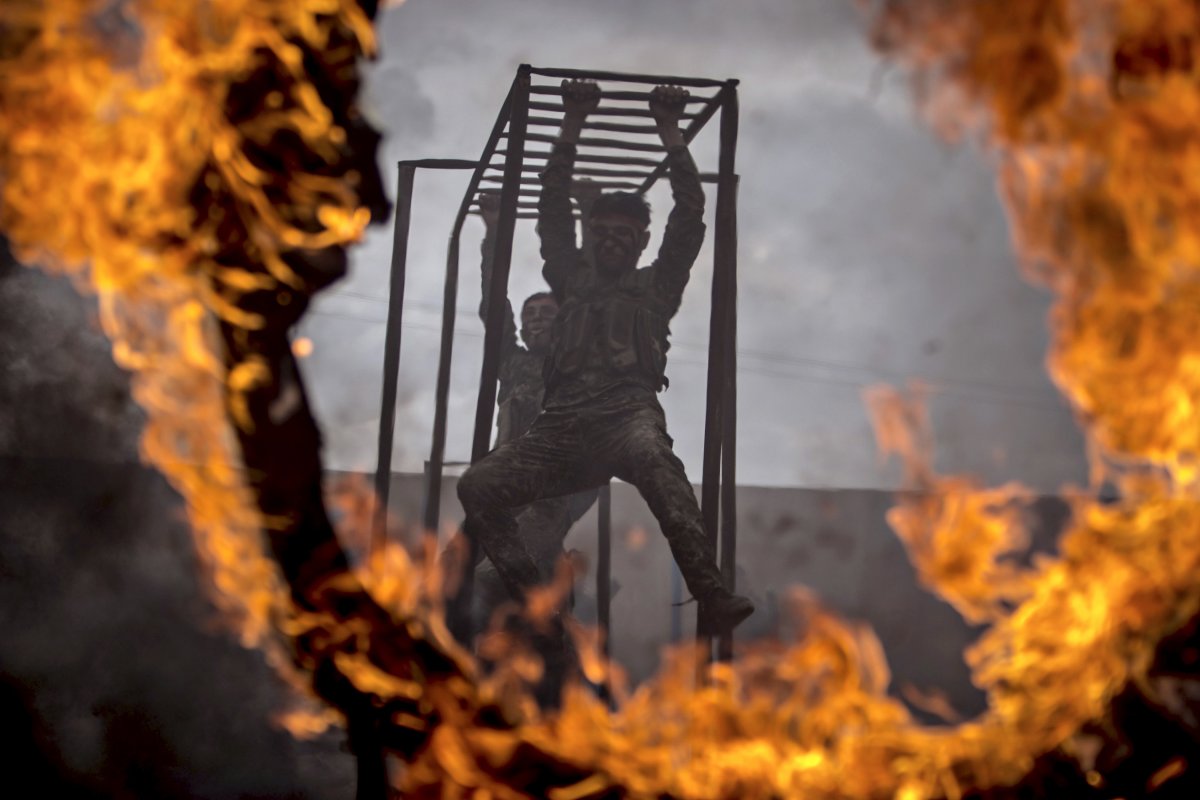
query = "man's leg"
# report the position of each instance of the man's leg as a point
(547, 461)
(490, 594)
(545, 524)
(637, 441)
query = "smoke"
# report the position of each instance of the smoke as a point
(108, 650)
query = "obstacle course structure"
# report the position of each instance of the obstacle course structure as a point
(617, 152)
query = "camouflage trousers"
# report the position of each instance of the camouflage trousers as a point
(542, 527)
(623, 434)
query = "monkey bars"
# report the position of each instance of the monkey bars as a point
(508, 164)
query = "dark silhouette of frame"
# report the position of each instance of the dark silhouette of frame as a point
(506, 161)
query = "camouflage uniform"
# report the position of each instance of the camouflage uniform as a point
(521, 372)
(601, 413)
(544, 524)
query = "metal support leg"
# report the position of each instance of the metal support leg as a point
(391, 356)
(604, 573)
(485, 407)
(714, 424)
(727, 221)
(726, 278)
(437, 452)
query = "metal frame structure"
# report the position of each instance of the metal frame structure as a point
(509, 161)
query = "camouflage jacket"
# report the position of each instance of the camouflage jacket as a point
(519, 399)
(611, 333)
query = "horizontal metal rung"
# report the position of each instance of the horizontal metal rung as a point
(602, 111)
(590, 158)
(440, 163)
(618, 95)
(499, 179)
(595, 172)
(602, 185)
(615, 127)
(592, 172)
(474, 212)
(520, 192)
(590, 141)
(521, 204)
(620, 77)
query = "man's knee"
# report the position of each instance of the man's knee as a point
(650, 456)
(660, 477)
(476, 488)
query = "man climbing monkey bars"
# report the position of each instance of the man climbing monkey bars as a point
(510, 166)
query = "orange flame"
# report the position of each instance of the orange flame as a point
(1091, 110)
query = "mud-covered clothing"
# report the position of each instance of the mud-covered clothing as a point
(545, 524)
(611, 333)
(601, 414)
(519, 399)
(621, 433)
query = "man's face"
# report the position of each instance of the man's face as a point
(617, 242)
(537, 317)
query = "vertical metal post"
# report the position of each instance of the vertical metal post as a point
(604, 571)
(727, 222)
(725, 277)
(513, 161)
(391, 355)
(485, 407)
(457, 611)
(431, 510)
(604, 562)
(714, 414)
(430, 514)
(676, 600)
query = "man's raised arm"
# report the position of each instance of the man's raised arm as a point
(556, 223)
(685, 226)
(489, 210)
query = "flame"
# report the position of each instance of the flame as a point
(1090, 109)
(1173, 769)
(101, 144)
(303, 347)
(957, 534)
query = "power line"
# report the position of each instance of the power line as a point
(941, 389)
(934, 388)
(383, 301)
(416, 326)
(876, 372)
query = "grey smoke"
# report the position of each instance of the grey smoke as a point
(105, 636)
